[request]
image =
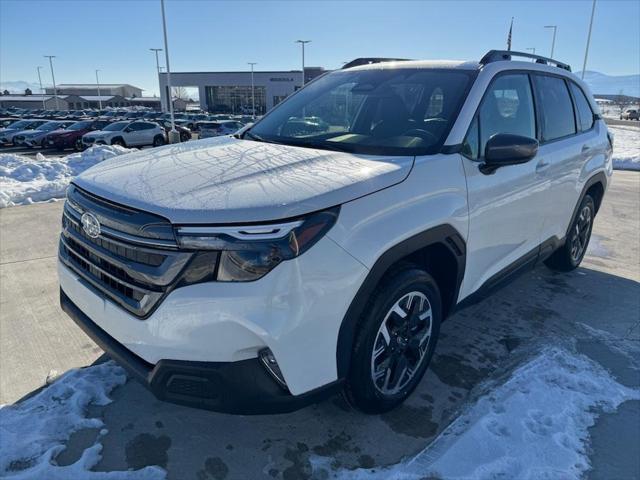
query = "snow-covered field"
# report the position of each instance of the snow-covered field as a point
(26, 180)
(626, 148)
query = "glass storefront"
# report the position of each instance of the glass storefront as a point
(235, 99)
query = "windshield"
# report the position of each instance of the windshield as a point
(80, 125)
(378, 112)
(116, 126)
(49, 126)
(21, 124)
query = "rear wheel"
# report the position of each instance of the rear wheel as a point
(395, 342)
(570, 255)
(158, 141)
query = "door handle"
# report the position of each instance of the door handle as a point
(585, 148)
(542, 165)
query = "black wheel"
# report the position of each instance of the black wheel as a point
(158, 141)
(77, 146)
(118, 141)
(396, 338)
(569, 256)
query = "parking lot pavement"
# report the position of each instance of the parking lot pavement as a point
(484, 342)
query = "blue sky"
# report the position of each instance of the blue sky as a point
(115, 35)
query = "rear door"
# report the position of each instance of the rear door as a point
(505, 214)
(135, 135)
(562, 152)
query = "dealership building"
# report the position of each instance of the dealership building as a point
(230, 92)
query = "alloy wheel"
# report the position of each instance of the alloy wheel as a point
(580, 233)
(401, 344)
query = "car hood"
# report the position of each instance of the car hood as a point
(227, 180)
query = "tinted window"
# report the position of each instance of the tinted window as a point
(378, 111)
(507, 108)
(585, 114)
(148, 126)
(556, 107)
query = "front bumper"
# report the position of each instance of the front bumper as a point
(242, 387)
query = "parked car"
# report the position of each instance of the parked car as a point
(261, 272)
(630, 114)
(36, 137)
(127, 134)
(5, 122)
(7, 134)
(185, 133)
(218, 128)
(71, 137)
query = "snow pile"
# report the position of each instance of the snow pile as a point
(626, 148)
(534, 426)
(27, 180)
(34, 431)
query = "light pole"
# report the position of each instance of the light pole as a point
(533, 52)
(586, 52)
(553, 40)
(253, 90)
(303, 43)
(174, 136)
(44, 107)
(98, 83)
(156, 50)
(53, 77)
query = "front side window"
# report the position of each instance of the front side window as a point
(556, 114)
(378, 111)
(116, 127)
(507, 107)
(585, 114)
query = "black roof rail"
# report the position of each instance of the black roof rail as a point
(369, 60)
(499, 55)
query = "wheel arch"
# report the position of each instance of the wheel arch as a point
(596, 185)
(440, 250)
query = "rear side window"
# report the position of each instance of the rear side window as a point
(556, 109)
(507, 107)
(585, 114)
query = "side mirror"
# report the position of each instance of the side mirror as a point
(504, 149)
(127, 130)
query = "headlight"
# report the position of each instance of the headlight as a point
(249, 252)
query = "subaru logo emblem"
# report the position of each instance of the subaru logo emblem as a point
(90, 225)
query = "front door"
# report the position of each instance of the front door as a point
(505, 207)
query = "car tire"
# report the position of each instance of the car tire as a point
(158, 141)
(118, 141)
(389, 346)
(570, 255)
(78, 146)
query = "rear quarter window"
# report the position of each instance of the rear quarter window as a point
(585, 114)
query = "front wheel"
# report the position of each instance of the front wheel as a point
(570, 255)
(118, 141)
(395, 341)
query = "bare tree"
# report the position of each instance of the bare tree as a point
(181, 93)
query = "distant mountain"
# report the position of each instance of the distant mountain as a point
(599, 83)
(20, 86)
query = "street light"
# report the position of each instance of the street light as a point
(253, 91)
(303, 42)
(98, 83)
(586, 52)
(44, 107)
(156, 50)
(174, 136)
(553, 40)
(533, 51)
(53, 77)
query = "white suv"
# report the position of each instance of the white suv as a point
(320, 249)
(127, 134)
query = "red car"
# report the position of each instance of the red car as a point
(71, 137)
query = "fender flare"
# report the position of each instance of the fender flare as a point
(444, 235)
(599, 177)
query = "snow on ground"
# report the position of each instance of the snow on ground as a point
(626, 148)
(26, 179)
(533, 426)
(34, 431)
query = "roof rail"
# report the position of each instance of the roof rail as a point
(499, 55)
(369, 60)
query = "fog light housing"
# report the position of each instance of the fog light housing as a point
(269, 361)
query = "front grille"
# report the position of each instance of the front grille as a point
(134, 271)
